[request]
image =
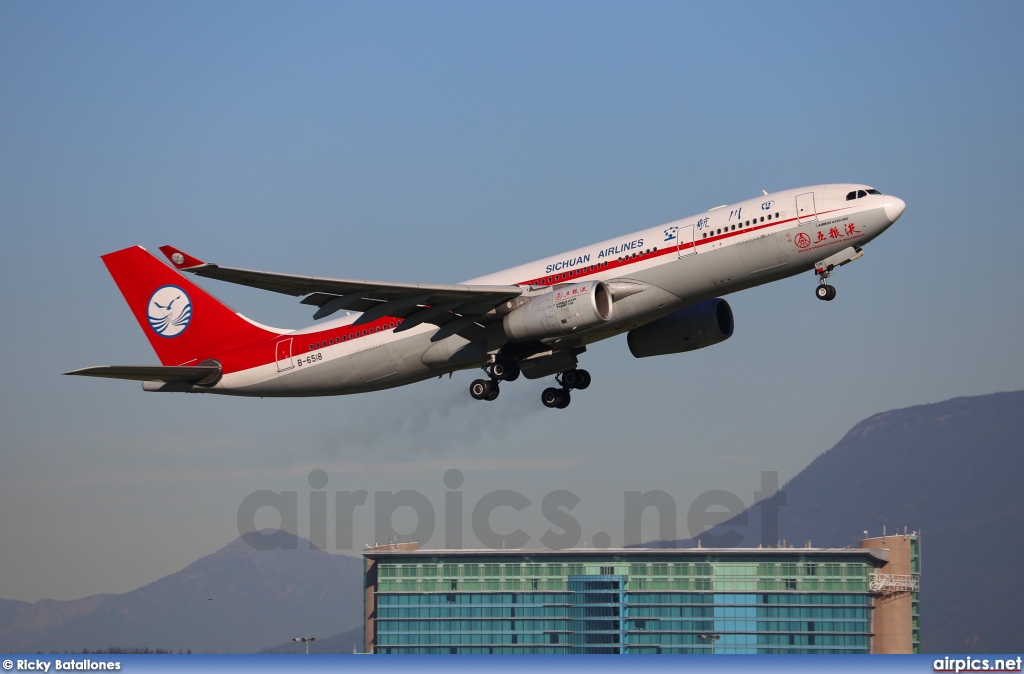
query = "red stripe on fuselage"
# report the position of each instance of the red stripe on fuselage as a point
(565, 277)
(264, 353)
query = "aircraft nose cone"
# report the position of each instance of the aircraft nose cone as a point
(894, 207)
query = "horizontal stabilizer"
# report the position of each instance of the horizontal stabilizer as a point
(191, 374)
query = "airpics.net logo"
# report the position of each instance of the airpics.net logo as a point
(169, 311)
(562, 530)
(968, 664)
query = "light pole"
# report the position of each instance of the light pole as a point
(710, 637)
(305, 640)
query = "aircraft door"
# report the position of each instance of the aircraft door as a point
(284, 355)
(805, 208)
(684, 241)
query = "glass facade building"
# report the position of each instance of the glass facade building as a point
(765, 600)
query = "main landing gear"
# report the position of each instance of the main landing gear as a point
(483, 389)
(559, 398)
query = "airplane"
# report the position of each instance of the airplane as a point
(662, 286)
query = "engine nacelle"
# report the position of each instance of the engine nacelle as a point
(689, 329)
(564, 310)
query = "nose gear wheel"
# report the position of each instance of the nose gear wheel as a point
(825, 292)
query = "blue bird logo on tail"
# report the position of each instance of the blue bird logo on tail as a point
(169, 311)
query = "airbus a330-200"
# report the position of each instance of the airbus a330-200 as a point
(663, 286)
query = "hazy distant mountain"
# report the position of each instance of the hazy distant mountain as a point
(236, 600)
(953, 471)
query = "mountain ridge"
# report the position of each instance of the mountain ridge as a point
(208, 606)
(948, 470)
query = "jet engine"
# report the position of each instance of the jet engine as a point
(689, 329)
(563, 310)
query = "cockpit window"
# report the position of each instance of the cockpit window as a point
(858, 194)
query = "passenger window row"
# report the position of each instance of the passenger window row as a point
(740, 225)
(558, 278)
(352, 335)
(555, 278)
(640, 254)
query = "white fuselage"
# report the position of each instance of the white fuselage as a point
(721, 251)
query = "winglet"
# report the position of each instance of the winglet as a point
(181, 259)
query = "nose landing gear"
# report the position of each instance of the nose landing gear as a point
(827, 267)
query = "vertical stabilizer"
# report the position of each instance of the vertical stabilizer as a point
(183, 322)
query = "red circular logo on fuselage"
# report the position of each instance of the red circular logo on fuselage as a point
(802, 240)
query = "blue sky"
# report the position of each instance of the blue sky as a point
(436, 142)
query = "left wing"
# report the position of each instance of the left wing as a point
(416, 303)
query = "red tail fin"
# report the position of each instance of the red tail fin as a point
(182, 321)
